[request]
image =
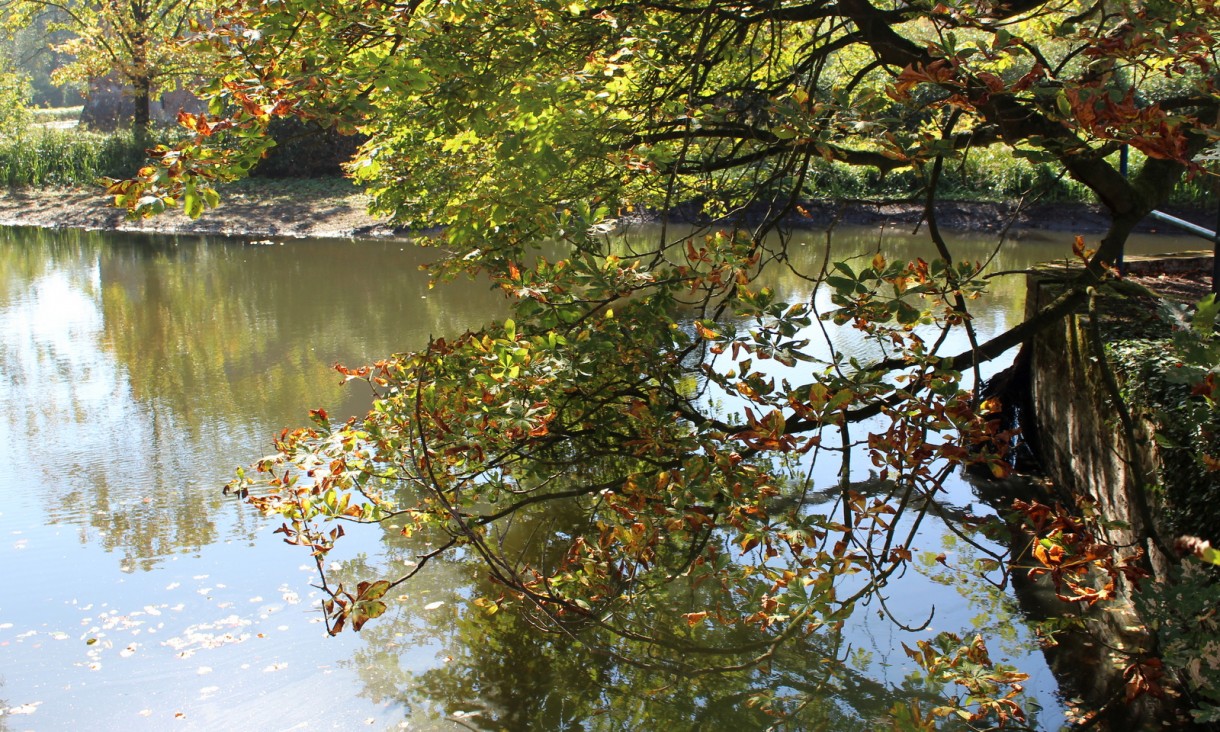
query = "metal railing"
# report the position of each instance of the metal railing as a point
(1212, 236)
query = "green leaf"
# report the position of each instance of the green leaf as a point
(1210, 555)
(1164, 440)
(906, 313)
(841, 399)
(1204, 320)
(1063, 105)
(366, 611)
(192, 204)
(374, 590)
(841, 284)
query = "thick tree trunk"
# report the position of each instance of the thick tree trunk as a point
(142, 118)
(141, 77)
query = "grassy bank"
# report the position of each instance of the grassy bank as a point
(55, 115)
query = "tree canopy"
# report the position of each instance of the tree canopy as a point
(653, 396)
(470, 107)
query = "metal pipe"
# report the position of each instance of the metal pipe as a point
(1212, 236)
(1184, 225)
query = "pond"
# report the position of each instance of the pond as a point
(139, 372)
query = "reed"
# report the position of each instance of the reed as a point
(42, 156)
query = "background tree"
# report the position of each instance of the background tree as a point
(31, 49)
(134, 41)
(518, 123)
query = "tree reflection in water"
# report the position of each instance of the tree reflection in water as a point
(497, 667)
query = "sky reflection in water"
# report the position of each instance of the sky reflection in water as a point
(137, 372)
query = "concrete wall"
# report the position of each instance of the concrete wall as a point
(1084, 449)
(1086, 453)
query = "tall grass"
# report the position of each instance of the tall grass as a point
(40, 156)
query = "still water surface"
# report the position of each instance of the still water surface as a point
(137, 372)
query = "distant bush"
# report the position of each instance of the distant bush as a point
(986, 174)
(983, 175)
(305, 150)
